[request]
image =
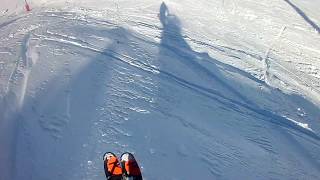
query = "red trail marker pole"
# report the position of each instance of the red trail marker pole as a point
(27, 6)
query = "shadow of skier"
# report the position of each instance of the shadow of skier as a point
(176, 52)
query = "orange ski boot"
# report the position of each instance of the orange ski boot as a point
(112, 166)
(130, 167)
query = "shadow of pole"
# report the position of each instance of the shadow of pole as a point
(8, 135)
(304, 16)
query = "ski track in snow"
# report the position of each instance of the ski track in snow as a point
(184, 83)
(82, 85)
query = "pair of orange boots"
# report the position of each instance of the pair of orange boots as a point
(126, 169)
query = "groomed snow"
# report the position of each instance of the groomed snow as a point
(195, 89)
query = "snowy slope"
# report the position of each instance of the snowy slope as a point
(196, 89)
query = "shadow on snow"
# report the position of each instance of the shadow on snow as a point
(174, 52)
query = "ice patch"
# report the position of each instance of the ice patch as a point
(143, 111)
(303, 125)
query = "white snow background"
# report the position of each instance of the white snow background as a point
(221, 89)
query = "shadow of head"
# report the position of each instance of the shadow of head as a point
(167, 19)
(164, 12)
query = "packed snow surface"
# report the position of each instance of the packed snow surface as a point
(221, 89)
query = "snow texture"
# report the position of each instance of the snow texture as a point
(195, 89)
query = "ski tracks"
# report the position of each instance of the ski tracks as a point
(129, 94)
(220, 155)
(13, 99)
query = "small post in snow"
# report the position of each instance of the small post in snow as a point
(27, 6)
